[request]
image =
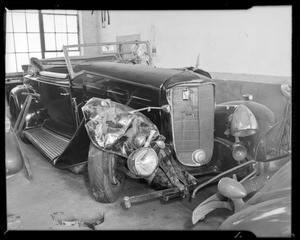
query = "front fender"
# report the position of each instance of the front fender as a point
(36, 111)
(111, 127)
(256, 144)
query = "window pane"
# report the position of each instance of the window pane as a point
(47, 11)
(50, 41)
(50, 54)
(61, 39)
(21, 42)
(60, 11)
(19, 22)
(10, 63)
(60, 23)
(76, 53)
(48, 23)
(34, 42)
(22, 59)
(60, 54)
(72, 23)
(18, 11)
(71, 12)
(8, 22)
(31, 11)
(32, 20)
(9, 42)
(72, 38)
(37, 55)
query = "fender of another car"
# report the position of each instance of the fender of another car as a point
(267, 212)
(256, 144)
(271, 218)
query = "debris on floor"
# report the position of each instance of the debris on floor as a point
(78, 223)
(14, 222)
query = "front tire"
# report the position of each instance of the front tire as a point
(105, 181)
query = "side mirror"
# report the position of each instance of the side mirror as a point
(234, 190)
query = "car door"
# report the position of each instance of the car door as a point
(56, 96)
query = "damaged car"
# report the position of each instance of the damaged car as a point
(120, 116)
(261, 205)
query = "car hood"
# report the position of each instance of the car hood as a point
(140, 74)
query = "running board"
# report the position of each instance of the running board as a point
(49, 143)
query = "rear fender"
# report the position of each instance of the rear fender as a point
(36, 112)
(256, 144)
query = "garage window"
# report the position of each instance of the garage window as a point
(38, 33)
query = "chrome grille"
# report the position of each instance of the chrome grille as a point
(193, 121)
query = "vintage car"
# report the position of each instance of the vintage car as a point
(124, 116)
(261, 205)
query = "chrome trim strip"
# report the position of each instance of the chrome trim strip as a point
(54, 74)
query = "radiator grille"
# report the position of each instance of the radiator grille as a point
(193, 121)
(49, 143)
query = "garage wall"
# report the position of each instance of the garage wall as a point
(254, 41)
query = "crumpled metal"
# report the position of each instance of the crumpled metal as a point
(112, 127)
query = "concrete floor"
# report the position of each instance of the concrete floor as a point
(54, 190)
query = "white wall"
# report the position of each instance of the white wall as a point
(254, 41)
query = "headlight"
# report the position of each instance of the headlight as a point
(143, 162)
(243, 122)
(139, 140)
(239, 152)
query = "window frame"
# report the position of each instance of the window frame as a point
(43, 51)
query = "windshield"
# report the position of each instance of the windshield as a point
(129, 52)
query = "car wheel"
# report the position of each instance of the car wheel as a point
(14, 113)
(105, 181)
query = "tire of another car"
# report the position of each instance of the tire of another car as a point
(14, 112)
(100, 175)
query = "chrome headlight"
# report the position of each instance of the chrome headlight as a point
(139, 140)
(239, 152)
(243, 122)
(143, 162)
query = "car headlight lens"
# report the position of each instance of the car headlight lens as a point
(139, 140)
(243, 122)
(239, 152)
(143, 162)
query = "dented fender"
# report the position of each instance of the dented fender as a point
(112, 127)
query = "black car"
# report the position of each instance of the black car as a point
(118, 116)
